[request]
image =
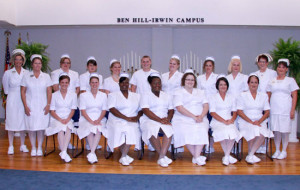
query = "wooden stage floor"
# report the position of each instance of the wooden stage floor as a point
(148, 165)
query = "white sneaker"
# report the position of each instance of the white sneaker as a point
(39, 152)
(23, 148)
(33, 152)
(151, 148)
(10, 150)
(129, 159)
(225, 160)
(249, 159)
(282, 155)
(62, 155)
(256, 159)
(232, 160)
(203, 158)
(162, 163)
(276, 154)
(67, 158)
(168, 160)
(71, 147)
(91, 158)
(124, 161)
(199, 161)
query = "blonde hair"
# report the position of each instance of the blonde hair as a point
(12, 59)
(177, 60)
(231, 63)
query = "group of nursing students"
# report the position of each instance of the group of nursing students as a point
(174, 104)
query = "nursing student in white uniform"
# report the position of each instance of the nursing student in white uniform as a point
(171, 82)
(111, 84)
(122, 124)
(207, 82)
(84, 79)
(254, 109)
(139, 83)
(62, 109)
(222, 107)
(190, 123)
(158, 112)
(282, 91)
(65, 65)
(93, 106)
(265, 75)
(36, 92)
(237, 80)
(14, 107)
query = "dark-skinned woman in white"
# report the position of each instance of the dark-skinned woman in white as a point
(282, 91)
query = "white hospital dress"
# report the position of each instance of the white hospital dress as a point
(237, 85)
(209, 85)
(223, 108)
(93, 107)
(62, 107)
(281, 103)
(139, 78)
(120, 131)
(253, 109)
(14, 107)
(170, 85)
(36, 99)
(111, 85)
(160, 107)
(186, 130)
(265, 78)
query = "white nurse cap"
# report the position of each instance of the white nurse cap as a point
(236, 57)
(189, 71)
(253, 74)
(90, 58)
(155, 74)
(270, 59)
(18, 51)
(35, 56)
(124, 75)
(221, 76)
(63, 74)
(175, 57)
(94, 75)
(285, 61)
(113, 61)
(65, 56)
(209, 58)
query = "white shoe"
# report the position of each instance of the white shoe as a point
(151, 148)
(282, 155)
(199, 161)
(124, 161)
(62, 155)
(39, 152)
(162, 163)
(71, 147)
(232, 160)
(129, 159)
(203, 158)
(225, 160)
(168, 160)
(10, 150)
(276, 154)
(67, 158)
(99, 147)
(91, 158)
(256, 159)
(23, 148)
(249, 159)
(33, 152)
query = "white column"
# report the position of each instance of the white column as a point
(293, 134)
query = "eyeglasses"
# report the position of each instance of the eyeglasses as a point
(190, 80)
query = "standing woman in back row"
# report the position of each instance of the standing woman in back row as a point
(111, 84)
(14, 108)
(282, 91)
(36, 93)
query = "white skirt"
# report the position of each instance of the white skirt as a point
(151, 128)
(223, 132)
(85, 128)
(190, 133)
(249, 131)
(56, 126)
(281, 123)
(120, 132)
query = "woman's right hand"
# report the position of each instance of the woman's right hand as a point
(27, 110)
(165, 121)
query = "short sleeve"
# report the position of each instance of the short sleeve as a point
(74, 101)
(82, 83)
(77, 84)
(133, 79)
(293, 85)
(212, 105)
(105, 84)
(240, 103)
(52, 104)
(266, 102)
(5, 82)
(104, 105)
(205, 99)
(111, 100)
(177, 99)
(23, 81)
(48, 81)
(233, 102)
(144, 103)
(269, 86)
(82, 103)
(245, 86)
(170, 102)
(54, 77)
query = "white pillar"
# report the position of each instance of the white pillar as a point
(293, 134)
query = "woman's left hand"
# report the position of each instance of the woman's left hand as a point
(292, 114)
(165, 121)
(199, 119)
(97, 122)
(46, 109)
(257, 123)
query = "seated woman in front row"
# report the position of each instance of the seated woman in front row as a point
(122, 124)
(222, 107)
(62, 109)
(254, 109)
(158, 112)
